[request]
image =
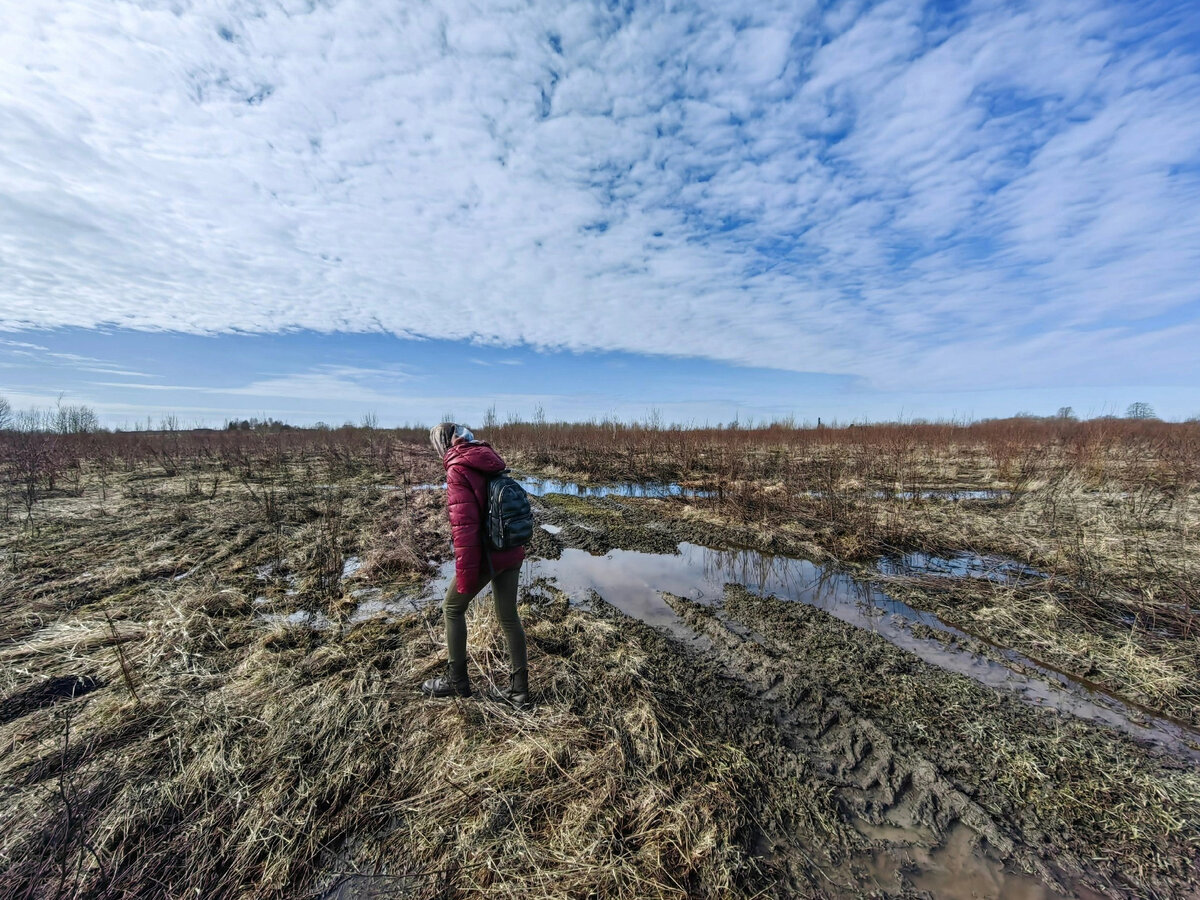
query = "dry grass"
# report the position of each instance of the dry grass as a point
(207, 752)
(161, 738)
(278, 761)
(274, 761)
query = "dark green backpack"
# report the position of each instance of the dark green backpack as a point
(508, 520)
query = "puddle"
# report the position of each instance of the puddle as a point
(961, 565)
(373, 887)
(396, 605)
(372, 603)
(540, 486)
(633, 581)
(301, 617)
(957, 870)
(953, 494)
(270, 571)
(552, 529)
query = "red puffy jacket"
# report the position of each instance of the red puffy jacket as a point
(468, 465)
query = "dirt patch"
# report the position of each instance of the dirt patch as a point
(905, 744)
(1154, 668)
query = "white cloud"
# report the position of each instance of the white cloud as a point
(36, 355)
(878, 193)
(325, 382)
(24, 345)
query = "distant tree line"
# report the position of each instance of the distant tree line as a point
(1139, 410)
(62, 418)
(268, 425)
(66, 418)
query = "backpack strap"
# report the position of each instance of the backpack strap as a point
(483, 531)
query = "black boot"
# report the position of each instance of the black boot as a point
(517, 692)
(455, 683)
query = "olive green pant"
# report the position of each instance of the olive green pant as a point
(504, 595)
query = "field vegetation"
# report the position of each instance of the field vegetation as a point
(189, 705)
(1108, 509)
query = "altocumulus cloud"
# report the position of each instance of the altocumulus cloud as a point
(916, 194)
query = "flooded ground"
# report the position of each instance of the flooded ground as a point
(956, 871)
(317, 621)
(961, 565)
(635, 583)
(721, 708)
(684, 594)
(951, 494)
(541, 486)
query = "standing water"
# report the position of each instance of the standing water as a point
(634, 581)
(540, 486)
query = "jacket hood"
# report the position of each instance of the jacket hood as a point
(478, 455)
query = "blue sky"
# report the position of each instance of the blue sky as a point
(850, 210)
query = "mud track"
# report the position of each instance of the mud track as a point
(930, 772)
(938, 784)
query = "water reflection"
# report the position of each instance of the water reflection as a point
(634, 582)
(540, 486)
(960, 565)
(799, 579)
(951, 494)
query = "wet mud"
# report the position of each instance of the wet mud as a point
(959, 773)
(995, 603)
(903, 757)
(631, 552)
(722, 710)
(630, 555)
(894, 769)
(1010, 608)
(920, 750)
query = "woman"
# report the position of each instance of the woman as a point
(469, 463)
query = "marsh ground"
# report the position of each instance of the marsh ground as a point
(208, 673)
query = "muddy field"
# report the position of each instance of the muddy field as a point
(746, 686)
